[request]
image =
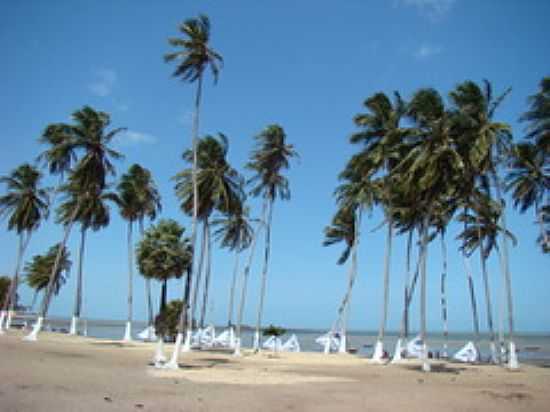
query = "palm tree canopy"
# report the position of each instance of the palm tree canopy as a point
(163, 252)
(25, 202)
(529, 177)
(538, 117)
(341, 229)
(39, 269)
(233, 230)
(220, 185)
(137, 195)
(268, 159)
(194, 54)
(61, 154)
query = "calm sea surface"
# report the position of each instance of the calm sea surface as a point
(533, 348)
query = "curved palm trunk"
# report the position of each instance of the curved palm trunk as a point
(78, 296)
(173, 363)
(512, 358)
(264, 273)
(148, 298)
(425, 364)
(11, 295)
(244, 285)
(378, 355)
(50, 288)
(413, 284)
(444, 296)
(232, 291)
(128, 331)
(207, 273)
(483, 262)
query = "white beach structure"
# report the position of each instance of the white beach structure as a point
(468, 353)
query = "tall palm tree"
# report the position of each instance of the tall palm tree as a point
(37, 271)
(267, 161)
(93, 213)
(487, 143)
(220, 188)
(163, 253)
(88, 139)
(26, 205)
(194, 56)
(234, 232)
(529, 180)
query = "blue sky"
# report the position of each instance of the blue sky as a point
(307, 65)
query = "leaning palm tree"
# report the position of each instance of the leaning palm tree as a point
(164, 253)
(90, 139)
(267, 160)
(26, 205)
(194, 56)
(234, 232)
(93, 214)
(37, 271)
(529, 180)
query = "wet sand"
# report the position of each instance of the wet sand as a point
(62, 373)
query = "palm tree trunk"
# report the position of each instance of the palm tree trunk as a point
(78, 296)
(128, 331)
(232, 291)
(49, 289)
(471, 289)
(425, 364)
(379, 348)
(207, 272)
(405, 320)
(34, 296)
(483, 262)
(199, 272)
(443, 295)
(264, 272)
(163, 294)
(148, 298)
(246, 274)
(173, 364)
(512, 361)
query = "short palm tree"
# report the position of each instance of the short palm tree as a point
(529, 181)
(37, 271)
(26, 205)
(193, 56)
(87, 139)
(270, 157)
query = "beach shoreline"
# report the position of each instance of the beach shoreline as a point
(66, 373)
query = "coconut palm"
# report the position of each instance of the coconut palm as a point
(137, 197)
(87, 139)
(194, 55)
(529, 180)
(93, 213)
(219, 189)
(37, 271)
(270, 157)
(538, 117)
(163, 253)
(26, 205)
(234, 232)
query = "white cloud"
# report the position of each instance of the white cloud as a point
(104, 81)
(434, 9)
(132, 138)
(425, 51)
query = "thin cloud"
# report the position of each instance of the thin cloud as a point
(433, 9)
(425, 51)
(104, 81)
(133, 138)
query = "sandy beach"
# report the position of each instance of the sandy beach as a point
(62, 373)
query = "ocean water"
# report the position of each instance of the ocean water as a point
(534, 348)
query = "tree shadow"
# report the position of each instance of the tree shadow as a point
(437, 368)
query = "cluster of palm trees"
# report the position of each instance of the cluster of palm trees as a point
(426, 162)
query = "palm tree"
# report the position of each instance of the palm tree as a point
(37, 271)
(88, 136)
(219, 189)
(163, 253)
(93, 213)
(194, 56)
(26, 205)
(267, 160)
(529, 180)
(5, 282)
(538, 117)
(234, 232)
